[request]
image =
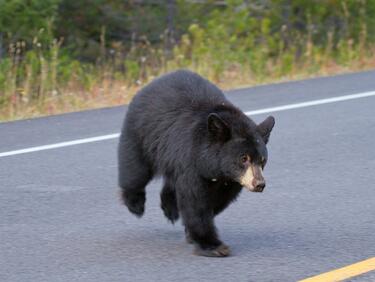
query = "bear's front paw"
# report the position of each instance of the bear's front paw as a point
(220, 251)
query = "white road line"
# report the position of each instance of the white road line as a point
(311, 103)
(250, 113)
(60, 145)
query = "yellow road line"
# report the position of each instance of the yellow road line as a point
(346, 272)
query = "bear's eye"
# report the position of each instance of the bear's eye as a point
(245, 159)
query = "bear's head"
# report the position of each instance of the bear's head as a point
(242, 153)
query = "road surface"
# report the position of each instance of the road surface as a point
(62, 220)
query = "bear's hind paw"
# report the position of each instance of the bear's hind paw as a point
(135, 202)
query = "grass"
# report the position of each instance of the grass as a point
(44, 80)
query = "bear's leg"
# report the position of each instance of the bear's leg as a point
(169, 201)
(201, 231)
(198, 217)
(134, 174)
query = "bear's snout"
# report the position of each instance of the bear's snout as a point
(253, 179)
(259, 185)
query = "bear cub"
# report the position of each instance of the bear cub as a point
(182, 127)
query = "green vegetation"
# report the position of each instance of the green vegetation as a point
(63, 55)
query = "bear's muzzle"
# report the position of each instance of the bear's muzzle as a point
(253, 179)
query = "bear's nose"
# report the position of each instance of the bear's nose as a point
(259, 185)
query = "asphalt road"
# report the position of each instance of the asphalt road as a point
(61, 218)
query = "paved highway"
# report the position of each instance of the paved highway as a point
(62, 220)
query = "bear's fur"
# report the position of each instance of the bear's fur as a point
(182, 127)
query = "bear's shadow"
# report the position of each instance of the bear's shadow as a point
(172, 242)
(245, 243)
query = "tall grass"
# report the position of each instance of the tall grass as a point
(44, 79)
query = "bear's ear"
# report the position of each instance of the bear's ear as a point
(265, 128)
(217, 127)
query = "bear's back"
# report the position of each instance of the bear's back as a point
(164, 115)
(178, 97)
(179, 90)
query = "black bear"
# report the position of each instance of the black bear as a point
(182, 127)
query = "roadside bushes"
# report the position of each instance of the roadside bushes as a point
(49, 66)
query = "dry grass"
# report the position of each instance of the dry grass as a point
(110, 91)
